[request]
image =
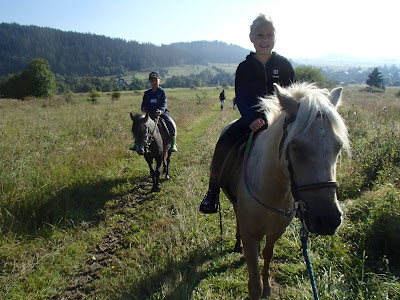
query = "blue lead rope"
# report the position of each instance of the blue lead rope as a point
(303, 238)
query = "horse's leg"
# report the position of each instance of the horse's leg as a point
(167, 160)
(251, 246)
(238, 245)
(267, 254)
(157, 172)
(149, 161)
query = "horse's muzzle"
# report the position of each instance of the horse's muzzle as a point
(140, 150)
(324, 224)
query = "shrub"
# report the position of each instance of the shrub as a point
(116, 94)
(93, 96)
(374, 89)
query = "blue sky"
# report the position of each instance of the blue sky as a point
(305, 28)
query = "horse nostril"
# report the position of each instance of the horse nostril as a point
(140, 150)
(324, 225)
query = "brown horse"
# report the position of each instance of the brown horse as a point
(291, 164)
(154, 143)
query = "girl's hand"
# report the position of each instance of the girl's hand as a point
(257, 124)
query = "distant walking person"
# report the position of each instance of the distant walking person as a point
(222, 99)
(234, 103)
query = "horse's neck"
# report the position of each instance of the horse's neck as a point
(264, 161)
(153, 126)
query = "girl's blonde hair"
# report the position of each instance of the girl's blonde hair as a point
(261, 19)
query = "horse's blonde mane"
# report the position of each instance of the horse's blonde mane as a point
(312, 101)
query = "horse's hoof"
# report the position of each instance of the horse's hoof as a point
(266, 293)
(156, 189)
(167, 177)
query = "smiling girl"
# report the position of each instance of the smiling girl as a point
(254, 79)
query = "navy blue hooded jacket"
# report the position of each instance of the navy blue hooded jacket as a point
(155, 100)
(254, 80)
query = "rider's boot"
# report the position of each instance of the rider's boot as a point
(173, 144)
(210, 203)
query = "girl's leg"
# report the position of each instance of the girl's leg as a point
(172, 131)
(224, 145)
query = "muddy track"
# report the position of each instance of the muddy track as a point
(80, 287)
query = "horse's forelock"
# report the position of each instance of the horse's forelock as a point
(138, 117)
(270, 107)
(314, 101)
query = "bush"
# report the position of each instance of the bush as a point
(36, 81)
(93, 96)
(311, 74)
(116, 94)
(374, 89)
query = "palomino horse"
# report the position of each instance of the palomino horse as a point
(153, 142)
(291, 164)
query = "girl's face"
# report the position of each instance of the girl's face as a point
(155, 83)
(263, 38)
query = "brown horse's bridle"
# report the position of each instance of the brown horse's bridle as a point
(295, 189)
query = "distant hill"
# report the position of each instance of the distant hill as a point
(72, 53)
(348, 61)
(214, 52)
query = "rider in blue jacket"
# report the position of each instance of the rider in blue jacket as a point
(155, 101)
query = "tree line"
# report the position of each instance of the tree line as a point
(84, 54)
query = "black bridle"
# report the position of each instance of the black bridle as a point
(149, 135)
(295, 189)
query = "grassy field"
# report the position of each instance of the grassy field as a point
(78, 221)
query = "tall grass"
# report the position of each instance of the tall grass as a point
(54, 151)
(75, 202)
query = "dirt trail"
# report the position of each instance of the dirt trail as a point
(80, 286)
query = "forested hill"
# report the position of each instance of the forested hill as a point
(72, 53)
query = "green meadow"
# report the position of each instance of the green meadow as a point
(78, 220)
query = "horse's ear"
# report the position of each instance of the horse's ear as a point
(335, 96)
(288, 104)
(131, 115)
